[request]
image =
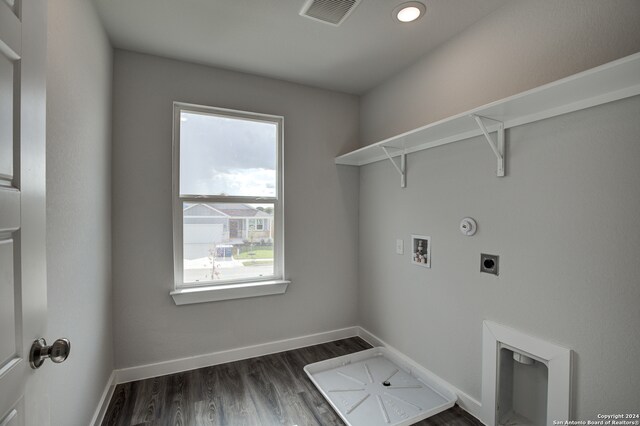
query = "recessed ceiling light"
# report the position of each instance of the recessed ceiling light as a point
(409, 12)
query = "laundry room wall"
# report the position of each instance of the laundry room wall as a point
(559, 220)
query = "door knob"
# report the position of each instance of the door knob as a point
(57, 352)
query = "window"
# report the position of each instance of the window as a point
(227, 186)
(258, 224)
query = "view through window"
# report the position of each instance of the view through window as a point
(228, 196)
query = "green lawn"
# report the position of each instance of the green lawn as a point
(259, 254)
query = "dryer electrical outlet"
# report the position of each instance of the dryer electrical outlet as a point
(489, 263)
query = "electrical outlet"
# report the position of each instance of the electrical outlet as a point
(399, 246)
(489, 263)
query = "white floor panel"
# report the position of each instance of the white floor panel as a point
(371, 388)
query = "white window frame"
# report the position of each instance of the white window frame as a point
(187, 293)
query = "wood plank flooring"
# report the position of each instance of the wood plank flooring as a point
(268, 390)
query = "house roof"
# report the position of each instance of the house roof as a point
(223, 210)
(202, 210)
(240, 210)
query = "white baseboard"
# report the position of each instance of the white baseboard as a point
(141, 372)
(103, 404)
(177, 365)
(469, 404)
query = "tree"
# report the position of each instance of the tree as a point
(215, 273)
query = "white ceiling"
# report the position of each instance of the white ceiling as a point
(270, 38)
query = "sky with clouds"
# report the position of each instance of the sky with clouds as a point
(220, 155)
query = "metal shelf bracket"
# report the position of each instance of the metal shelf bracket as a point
(496, 147)
(402, 168)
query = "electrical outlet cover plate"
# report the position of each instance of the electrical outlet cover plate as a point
(489, 263)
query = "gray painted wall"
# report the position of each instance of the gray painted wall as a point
(559, 220)
(522, 45)
(79, 71)
(321, 204)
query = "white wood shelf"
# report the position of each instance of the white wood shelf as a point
(609, 82)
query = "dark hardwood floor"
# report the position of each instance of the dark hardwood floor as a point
(268, 390)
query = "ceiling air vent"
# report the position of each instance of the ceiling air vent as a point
(332, 12)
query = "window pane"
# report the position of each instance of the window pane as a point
(227, 241)
(227, 156)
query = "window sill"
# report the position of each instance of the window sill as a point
(187, 296)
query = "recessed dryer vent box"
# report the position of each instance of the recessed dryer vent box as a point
(376, 388)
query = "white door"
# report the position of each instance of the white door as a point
(23, 290)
